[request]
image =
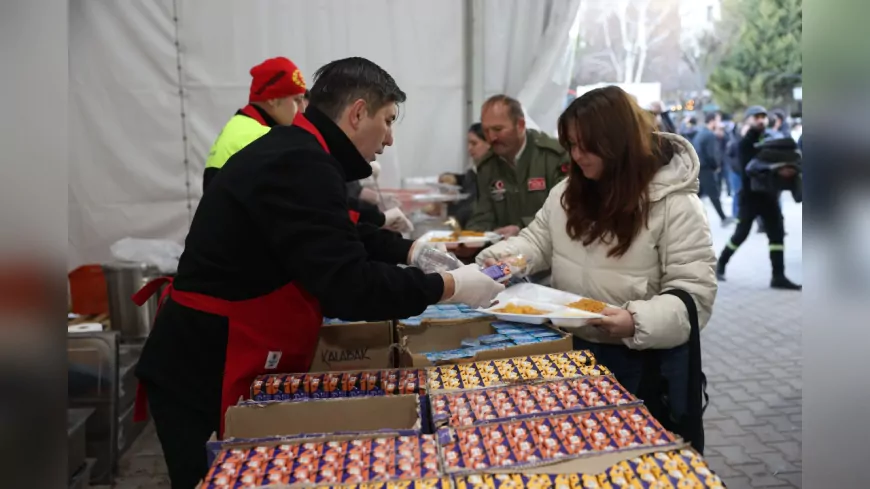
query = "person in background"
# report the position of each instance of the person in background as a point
(707, 146)
(731, 163)
(276, 95)
(778, 126)
(690, 128)
(726, 125)
(754, 204)
(272, 249)
(515, 176)
(366, 201)
(663, 118)
(477, 149)
(625, 228)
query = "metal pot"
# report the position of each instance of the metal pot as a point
(123, 279)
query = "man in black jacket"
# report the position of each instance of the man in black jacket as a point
(272, 249)
(757, 204)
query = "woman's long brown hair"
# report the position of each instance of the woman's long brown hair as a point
(608, 123)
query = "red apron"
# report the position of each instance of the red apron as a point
(277, 332)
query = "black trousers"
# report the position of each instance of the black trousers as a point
(183, 432)
(712, 188)
(755, 205)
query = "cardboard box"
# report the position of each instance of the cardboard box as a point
(355, 346)
(436, 337)
(252, 422)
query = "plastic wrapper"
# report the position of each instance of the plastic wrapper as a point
(676, 469)
(304, 386)
(445, 313)
(491, 373)
(459, 409)
(161, 253)
(506, 335)
(358, 461)
(534, 441)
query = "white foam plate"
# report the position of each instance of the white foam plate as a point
(557, 300)
(537, 293)
(523, 318)
(572, 318)
(470, 241)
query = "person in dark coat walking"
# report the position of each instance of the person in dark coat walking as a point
(706, 144)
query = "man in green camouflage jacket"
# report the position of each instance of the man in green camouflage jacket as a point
(516, 176)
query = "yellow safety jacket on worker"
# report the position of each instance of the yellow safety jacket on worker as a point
(245, 127)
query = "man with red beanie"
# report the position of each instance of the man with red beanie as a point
(277, 95)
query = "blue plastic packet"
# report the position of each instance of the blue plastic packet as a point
(500, 272)
(492, 338)
(471, 342)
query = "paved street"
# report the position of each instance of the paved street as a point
(753, 362)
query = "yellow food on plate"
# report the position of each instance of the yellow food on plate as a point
(516, 309)
(457, 237)
(589, 305)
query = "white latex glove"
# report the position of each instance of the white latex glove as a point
(395, 220)
(376, 170)
(473, 287)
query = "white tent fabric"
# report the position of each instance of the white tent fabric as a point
(530, 55)
(143, 112)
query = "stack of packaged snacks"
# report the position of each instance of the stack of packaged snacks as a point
(402, 458)
(506, 335)
(535, 441)
(466, 408)
(673, 469)
(491, 373)
(329, 385)
(445, 313)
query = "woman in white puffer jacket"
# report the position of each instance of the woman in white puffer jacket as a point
(625, 226)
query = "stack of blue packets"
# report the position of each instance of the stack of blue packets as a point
(507, 334)
(445, 312)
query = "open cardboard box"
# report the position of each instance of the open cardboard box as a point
(355, 346)
(258, 423)
(441, 336)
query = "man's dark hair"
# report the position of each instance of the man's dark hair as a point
(515, 109)
(693, 121)
(341, 82)
(710, 117)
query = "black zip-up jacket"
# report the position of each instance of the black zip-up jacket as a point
(763, 170)
(746, 151)
(278, 213)
(367, 212)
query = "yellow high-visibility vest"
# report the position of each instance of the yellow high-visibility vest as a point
(239, 132)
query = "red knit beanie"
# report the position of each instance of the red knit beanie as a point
(275, 78)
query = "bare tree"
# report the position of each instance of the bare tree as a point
(703, 54)
(631, 29)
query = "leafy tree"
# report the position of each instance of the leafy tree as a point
(764, 64)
